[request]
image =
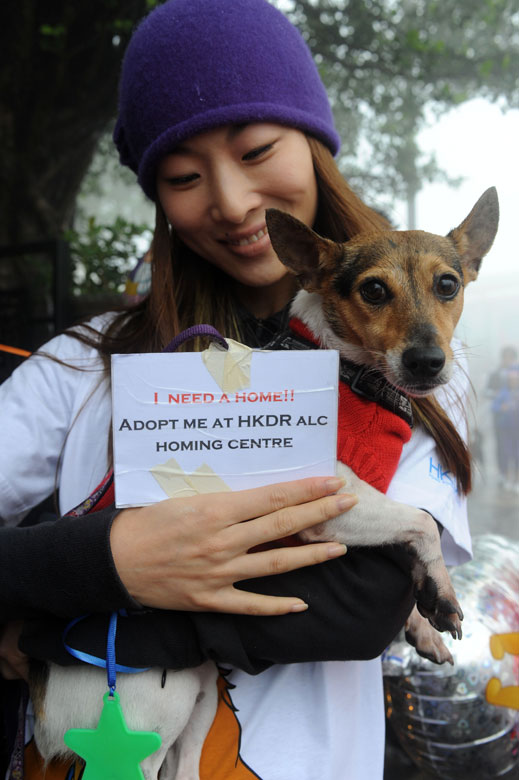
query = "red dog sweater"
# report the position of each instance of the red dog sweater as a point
(369, 437)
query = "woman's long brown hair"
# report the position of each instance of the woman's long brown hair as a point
(186, 290)
(341, 214)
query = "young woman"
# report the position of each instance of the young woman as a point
(222, 114)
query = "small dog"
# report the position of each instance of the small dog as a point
(388, 300)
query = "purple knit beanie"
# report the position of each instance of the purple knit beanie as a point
(193, 65)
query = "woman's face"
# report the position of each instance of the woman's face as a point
(214, 189)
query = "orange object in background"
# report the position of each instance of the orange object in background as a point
(14, 350)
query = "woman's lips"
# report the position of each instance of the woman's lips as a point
(252, 239)
(249, 245)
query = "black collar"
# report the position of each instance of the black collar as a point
(363, 380)
(256, 332)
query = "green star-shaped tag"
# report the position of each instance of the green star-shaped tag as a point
(112, 751)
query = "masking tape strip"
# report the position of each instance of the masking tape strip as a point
(177, 484)
(230, 368)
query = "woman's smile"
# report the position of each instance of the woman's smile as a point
(250, 243)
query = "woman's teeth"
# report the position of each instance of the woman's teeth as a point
(251, 239)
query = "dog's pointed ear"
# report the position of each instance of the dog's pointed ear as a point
(474, 237)
(306, 254)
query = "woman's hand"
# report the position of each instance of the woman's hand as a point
(187, 553)
(13, 663)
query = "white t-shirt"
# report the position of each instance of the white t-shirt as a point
(300, 710)
(312, 721)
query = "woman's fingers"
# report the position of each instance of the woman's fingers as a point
(283, 559)
(189, 553)
(241, 602)
(290, 520)
(256, 502)
(220, 595)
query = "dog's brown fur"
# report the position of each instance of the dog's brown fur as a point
(419, 276)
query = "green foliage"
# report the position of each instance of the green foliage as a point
(53, 31)
(102, 255)
(105, 166)
(53, 38)
(388, 63)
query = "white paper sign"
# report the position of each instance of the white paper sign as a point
(190, 423)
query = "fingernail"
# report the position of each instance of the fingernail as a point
(336, 550)
(334, 483)
(346, 501)
(300, 607)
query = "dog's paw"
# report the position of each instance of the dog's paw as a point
(440, 608)
(317, 533)
(426, 640)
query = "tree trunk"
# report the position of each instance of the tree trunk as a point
(58, 92)
(411, 208)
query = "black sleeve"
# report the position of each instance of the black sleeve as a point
(357, 604)
(64, 567)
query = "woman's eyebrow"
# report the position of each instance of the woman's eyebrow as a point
(235, 130)
(180, 149)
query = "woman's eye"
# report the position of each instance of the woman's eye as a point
(447, 286)
(255, 153)
(179, 180)
(374, 292)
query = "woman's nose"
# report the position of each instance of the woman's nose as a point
(233, 196)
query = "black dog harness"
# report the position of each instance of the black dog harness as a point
(365, 381)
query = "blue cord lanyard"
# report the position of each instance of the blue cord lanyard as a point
(110, 663)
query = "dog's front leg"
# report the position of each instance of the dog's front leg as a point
(378, 520)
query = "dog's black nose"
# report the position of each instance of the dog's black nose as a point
(424, 361)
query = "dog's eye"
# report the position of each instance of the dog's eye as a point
(447, 286)
(374, 292)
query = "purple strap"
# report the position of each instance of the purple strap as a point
(16, 765)
(191, 333)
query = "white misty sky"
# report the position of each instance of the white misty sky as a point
(480, 143)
